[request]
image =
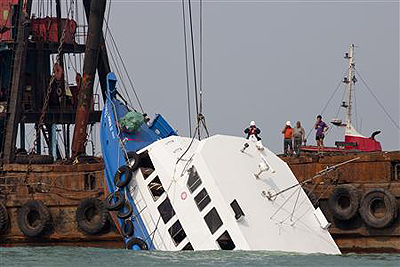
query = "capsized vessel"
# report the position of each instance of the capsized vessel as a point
(177, 193)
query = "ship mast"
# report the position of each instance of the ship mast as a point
(349, 80)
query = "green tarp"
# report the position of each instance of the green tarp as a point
(132, 121)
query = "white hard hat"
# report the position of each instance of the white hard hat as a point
(252, 123)
(288, 123)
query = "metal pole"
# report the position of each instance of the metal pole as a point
(54, 141)
(38, 138)
(85, 97)
(22, 135)
(17, 87)
(349, 86)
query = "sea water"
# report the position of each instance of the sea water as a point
(76, 256)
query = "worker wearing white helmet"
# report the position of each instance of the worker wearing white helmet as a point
(252, 130)
(287, 139)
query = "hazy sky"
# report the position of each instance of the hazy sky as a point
(268, 61)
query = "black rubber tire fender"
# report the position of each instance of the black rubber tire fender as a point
(370, 198)
(123, 171)
(34, 159)
(344, 202)
(114, 201)
(127, 228)
(137, 241)
(91, 216)
(126, 210)
(313, 198)
(134, 160)
(34, 218)
(4, 220)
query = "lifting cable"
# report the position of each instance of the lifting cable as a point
(377, 100)
(201, 56)
(327, 103)
(193, 59)
(187, 67)
(198, 92)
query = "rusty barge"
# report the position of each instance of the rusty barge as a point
(361, 199)
(51, 194)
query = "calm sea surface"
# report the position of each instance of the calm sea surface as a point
(74, 256)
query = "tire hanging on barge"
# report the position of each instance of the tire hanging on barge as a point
(344, 202)
(91, 216)
(3, 219)
(378, 208)
(34, 218)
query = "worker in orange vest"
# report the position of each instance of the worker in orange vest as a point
(287, 139)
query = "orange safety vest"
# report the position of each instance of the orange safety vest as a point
(288, 133)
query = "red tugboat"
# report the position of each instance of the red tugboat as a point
(361, 198)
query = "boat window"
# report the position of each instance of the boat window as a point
(166, 210)
(188, 247)
(213, 220)
(202, 199)
(146, 165)
(194, 180)
(237, 209)
(225, 241)
(177, 233)
(156, 188)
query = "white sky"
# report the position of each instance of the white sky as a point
(268, 61)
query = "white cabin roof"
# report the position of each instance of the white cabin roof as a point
(227, 174)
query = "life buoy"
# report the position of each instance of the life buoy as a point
(137, 242)
(34, 218)
(127, 228)
(378, 208)
(344, 202)
(125, 211)
(3, 219)
(313, 198)
(123, 176)
(91, 215)
(114, 201)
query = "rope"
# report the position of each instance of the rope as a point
(327, 104)
(201, 55)
(194, 64)
(126, 71)
(186, 67)
(377, 100)
(108, 19)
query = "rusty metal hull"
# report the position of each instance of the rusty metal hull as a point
(61, 188)
(370, 171)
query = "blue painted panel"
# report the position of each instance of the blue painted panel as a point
(113, 156)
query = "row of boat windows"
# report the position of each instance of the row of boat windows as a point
(202, 199)
(212, 218)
